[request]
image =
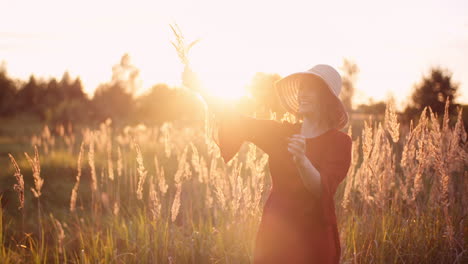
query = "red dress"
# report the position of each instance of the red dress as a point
(296, 227)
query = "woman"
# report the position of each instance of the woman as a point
(307, 162)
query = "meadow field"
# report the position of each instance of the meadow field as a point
(164, 195)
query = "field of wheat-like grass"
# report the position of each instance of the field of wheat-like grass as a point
(164, 195)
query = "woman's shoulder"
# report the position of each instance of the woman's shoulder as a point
(340, 143)
(341, 135)
(290, 128)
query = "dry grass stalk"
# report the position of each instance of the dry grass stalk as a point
(251, 157)
(350, 178)
(119, 162)
(204, 174)
(180, 44)
(116, 208)
(236, 187)
(74, 194)
(47, 139)
(259, 186)
(219, 182)
(110, 165)
(36, 168)
(377, 166)
(219, 192)
(213, 166)
(176, 203)
(60, 233)
(94, 185)
(422, 136)
(365, 172)
(154, 204)
(141, 171)
(409, 164)
(19, 186)
(160, 177)
(196, 161)
(183, 169)
(437, 151)
(166, 141)
(391, 121)
(367, 137)
(209, 197)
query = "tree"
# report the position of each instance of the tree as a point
(7, 93)
(72, 89)
(163, 103)
(350, 72)
(112, 101)
(126, 75)
(29, 96)
(115, 99)
(69, 103)
(154, 107)
(372, 108)
(433, 91)
(264, 94)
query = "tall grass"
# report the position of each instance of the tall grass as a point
(171, 198)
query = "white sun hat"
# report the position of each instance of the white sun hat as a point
(287, 89)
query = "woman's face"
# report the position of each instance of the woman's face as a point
(307, 97)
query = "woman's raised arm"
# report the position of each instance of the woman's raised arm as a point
(232, 128)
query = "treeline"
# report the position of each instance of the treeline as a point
(64, 101)
(50, 100)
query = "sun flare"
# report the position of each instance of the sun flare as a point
(226, 84)
(224, 91)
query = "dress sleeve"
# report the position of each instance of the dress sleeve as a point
(332, 172)
(233, 129)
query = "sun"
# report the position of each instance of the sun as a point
(219, 76)
(224, 91)
(223, 85)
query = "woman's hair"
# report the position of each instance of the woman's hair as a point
(328, 113)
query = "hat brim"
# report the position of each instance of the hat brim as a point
(287, 90)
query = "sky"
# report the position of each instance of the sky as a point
(394, 43)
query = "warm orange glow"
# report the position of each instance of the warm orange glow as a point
(237, 40)
(223, 89)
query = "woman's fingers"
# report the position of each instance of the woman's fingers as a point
(298, 137)
(297, 149)
(294, 152)
(297, 141)
(296, 145)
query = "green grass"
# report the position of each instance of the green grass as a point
(200, 233)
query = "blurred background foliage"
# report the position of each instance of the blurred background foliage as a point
(51, 101)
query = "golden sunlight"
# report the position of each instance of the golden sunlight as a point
(224, 89)
(218, 77)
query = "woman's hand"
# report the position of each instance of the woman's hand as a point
(297, 147)
(310, 176)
